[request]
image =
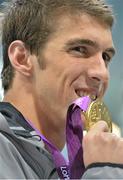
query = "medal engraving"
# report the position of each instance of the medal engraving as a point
(97, 111)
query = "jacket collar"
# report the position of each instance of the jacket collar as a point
(16, 121)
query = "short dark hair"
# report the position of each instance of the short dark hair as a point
(31, 21)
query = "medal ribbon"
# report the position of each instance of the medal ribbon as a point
(74, 135)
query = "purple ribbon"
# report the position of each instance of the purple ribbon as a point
(74, 136)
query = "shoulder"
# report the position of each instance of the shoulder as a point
(9, 159)
(8, 151)
(22, 155)
(5, 143)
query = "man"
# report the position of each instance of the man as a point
(54, 52)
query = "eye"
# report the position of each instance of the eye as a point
(79, 51)
(106, 57)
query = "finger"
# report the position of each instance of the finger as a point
(100, 126)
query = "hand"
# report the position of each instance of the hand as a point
(101, 146)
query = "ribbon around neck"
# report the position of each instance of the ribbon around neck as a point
(74, 135)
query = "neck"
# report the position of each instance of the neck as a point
(30, 109)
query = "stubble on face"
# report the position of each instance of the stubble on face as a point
(66, 64)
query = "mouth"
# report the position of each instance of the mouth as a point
(92, 94)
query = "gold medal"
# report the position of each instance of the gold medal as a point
(97, 110)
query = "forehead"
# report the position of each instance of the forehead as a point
(82, 27)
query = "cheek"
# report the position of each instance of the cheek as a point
(75, 71)
(106, 83)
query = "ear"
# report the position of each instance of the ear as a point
(20, 57)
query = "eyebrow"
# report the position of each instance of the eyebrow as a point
(74, 42)
(81, 41)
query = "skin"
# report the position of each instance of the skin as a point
(101, 146)
(75, 60)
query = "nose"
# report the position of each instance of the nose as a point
(98, 72)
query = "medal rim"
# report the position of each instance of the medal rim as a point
(89, 111)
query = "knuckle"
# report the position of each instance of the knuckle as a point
(99, 137)
(120, 144)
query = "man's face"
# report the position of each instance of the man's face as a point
(76, 59)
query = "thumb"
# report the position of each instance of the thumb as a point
(100, 126)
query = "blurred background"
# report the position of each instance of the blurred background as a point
(114, 95)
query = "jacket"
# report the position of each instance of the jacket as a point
(22, 153)
(23, 156)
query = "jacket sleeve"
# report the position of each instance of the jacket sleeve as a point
(12, 166)
(103, 171)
